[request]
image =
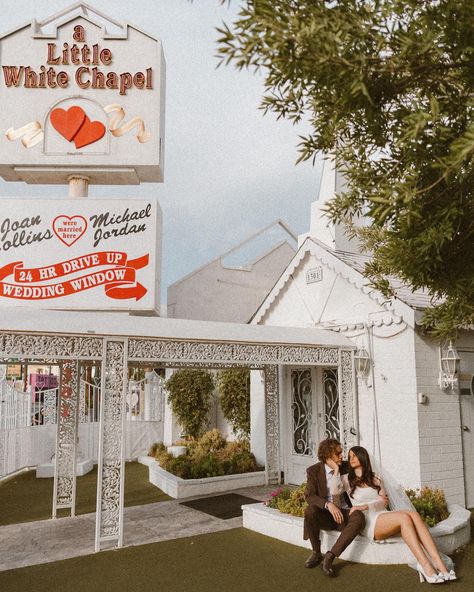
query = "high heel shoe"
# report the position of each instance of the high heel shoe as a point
(437, 578)
(448, 576)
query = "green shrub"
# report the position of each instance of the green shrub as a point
(156, 449)
(181, 466)
(189, 394)
(210, 466)
(288, 500)
(211, 441)
(430, 504)
(234, 392)
(210, 456)
(233, 448)
(242, 462)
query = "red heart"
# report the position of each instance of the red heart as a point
(67, 123)
(69, 229)
(90, 132)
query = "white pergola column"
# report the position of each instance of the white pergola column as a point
(64, 496)
(272, 425)
(111, 469)
(348, 404)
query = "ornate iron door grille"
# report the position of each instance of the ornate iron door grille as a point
(332, 427)
(302, 411)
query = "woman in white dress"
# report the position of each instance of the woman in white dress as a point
(367, 494)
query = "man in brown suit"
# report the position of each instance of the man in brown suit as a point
(326, 511)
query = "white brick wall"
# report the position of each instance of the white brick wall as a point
(441, 460)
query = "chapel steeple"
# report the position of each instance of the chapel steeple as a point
(322, 229)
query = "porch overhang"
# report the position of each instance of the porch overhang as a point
(138, 327)
(117, 339)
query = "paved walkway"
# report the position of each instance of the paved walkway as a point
(45, 541)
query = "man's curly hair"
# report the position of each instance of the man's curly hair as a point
(327, 447)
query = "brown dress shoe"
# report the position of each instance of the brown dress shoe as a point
(314, 559)
(326, 565)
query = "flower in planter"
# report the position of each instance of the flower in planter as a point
(288, 500)
(430, 504)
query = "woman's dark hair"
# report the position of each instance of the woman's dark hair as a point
(368, 477)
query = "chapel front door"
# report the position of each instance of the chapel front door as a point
(302, 432)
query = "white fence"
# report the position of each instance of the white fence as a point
(15, 407)
(145, 402)
(28, 430)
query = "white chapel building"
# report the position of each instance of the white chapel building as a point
(420, 432)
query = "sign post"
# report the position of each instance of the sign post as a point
(82, 102)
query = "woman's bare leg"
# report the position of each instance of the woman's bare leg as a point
(392, 523)
(427, 540)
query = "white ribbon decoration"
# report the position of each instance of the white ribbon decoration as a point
(30, 134)
(118, 130)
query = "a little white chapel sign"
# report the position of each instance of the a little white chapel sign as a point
(80, 92)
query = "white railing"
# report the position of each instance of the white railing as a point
(15, 406)
(145, 402)
(89, 402)
(146, 398)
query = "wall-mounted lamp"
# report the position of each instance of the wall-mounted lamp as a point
(362, 362)
(449, 361)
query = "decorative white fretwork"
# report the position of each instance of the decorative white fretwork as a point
(110, 483)
(46, 347)
(50, 406)
(115, 354)
(347, 402)
(148, 350)
(272, 424)
(65, 458)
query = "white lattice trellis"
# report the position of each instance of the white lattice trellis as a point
(115, 353)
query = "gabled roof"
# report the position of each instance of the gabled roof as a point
(220, 258)
(85, 11)
(416, 299)
(351, 267)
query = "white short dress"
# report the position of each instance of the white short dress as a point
(368, 496)
(364, 496)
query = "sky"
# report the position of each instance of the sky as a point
(229, 170)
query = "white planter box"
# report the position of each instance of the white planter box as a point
(176, 450)
(46, 470)
(452, 533)
(180, 488)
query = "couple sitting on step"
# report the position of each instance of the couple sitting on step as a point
(351, 498)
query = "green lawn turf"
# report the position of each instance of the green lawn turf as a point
(237, 560)
(25, 498)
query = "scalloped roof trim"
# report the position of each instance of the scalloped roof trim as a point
(330, 260)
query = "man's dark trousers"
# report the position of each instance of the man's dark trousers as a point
(317, 519)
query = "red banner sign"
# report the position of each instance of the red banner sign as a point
(118, 277)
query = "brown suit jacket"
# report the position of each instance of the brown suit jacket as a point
(316, 493)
